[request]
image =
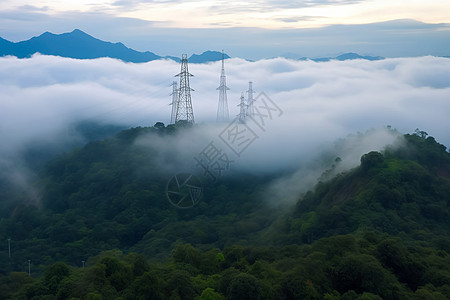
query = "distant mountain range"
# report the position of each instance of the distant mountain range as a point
(342, 57)
(80, 45)
(349, 56)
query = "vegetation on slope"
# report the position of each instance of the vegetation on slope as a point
(379, 231)
(404, 191)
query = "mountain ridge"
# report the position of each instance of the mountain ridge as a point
(77, 44)
(80, 45)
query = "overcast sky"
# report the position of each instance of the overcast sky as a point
(251, 30)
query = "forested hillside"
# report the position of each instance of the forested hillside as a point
(103, 229)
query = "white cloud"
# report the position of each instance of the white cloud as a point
(351, 95)
(335, 97)
(321, 102)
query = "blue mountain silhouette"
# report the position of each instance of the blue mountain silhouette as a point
(80, 45)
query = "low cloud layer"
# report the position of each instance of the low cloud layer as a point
(321, 102)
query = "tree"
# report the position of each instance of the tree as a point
(360, 273)
(179, 284)
(159, 125)
(118, 274)
(296, 285)
(210, 294)
(54, 275)
(243, 287)
(394, 255)
(146, 287)
(138, 263)
(371, 159)
(186, 253)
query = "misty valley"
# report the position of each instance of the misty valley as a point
(298, 190)
(94, 221)
(224, 150)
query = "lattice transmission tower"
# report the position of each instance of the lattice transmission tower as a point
(222, 110)
(250, 100)
(174, 102)
(184, 101)
(242, 110)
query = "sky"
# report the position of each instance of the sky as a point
(250, 30)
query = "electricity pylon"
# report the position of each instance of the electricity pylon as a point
(222, 110)
(242, 110)
(174, 102)
(250, 100)
(184, 101)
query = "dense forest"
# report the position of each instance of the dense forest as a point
(102, 228)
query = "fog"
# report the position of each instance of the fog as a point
(319, 104)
